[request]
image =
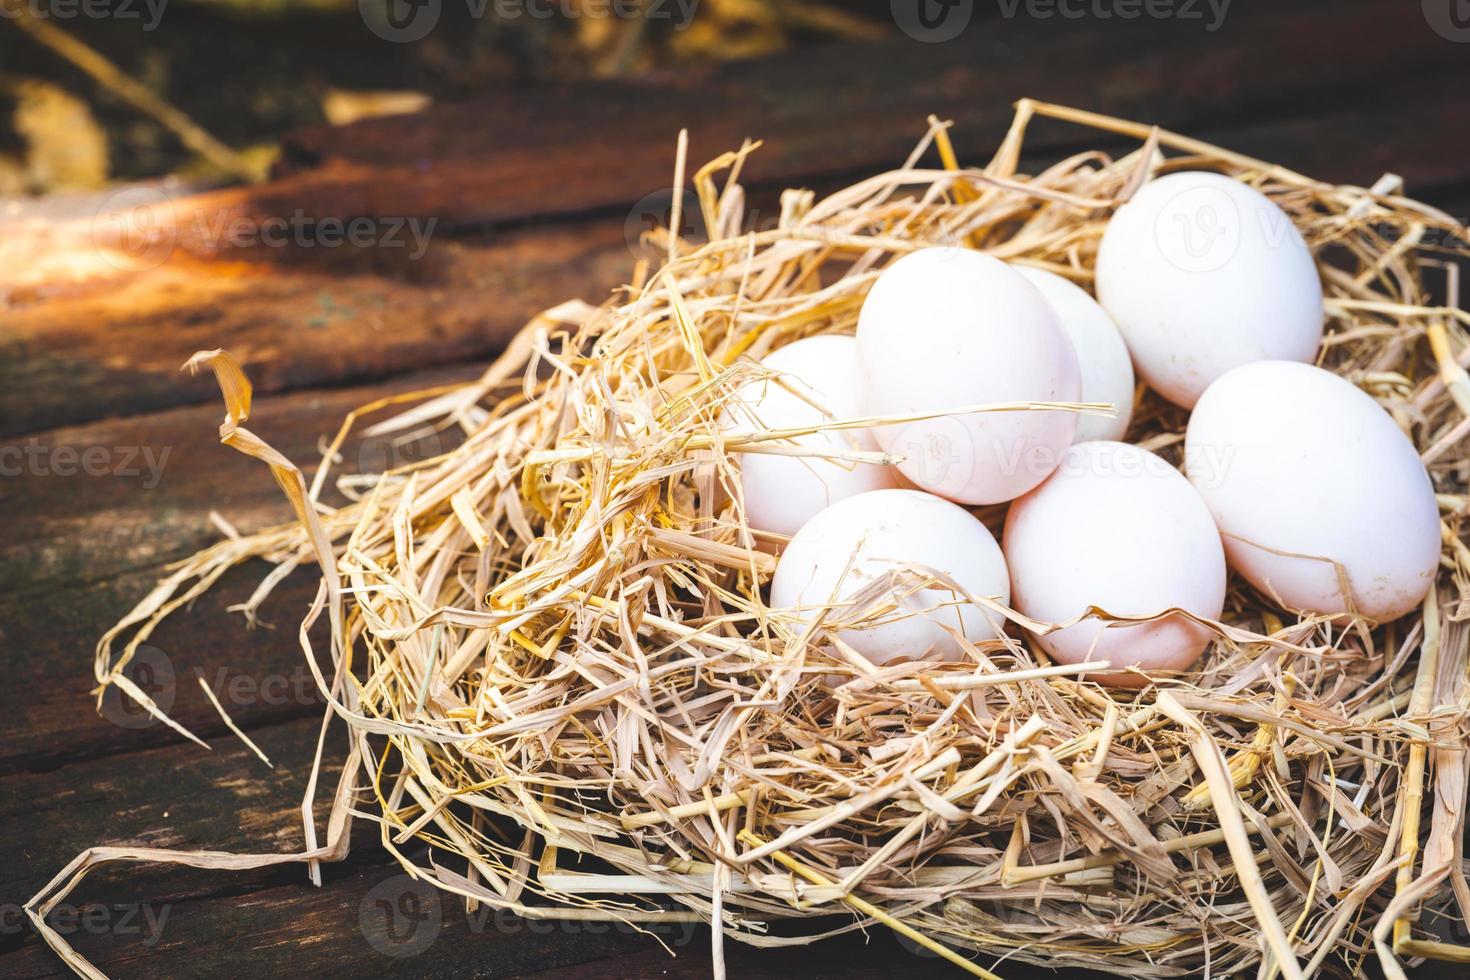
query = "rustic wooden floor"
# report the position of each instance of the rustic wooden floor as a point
(532, 195)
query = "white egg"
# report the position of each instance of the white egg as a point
(853, 544)
(1320, 497)
(1107, 370)
(1202, 273)
(817, 384)
(1119, 528)
(946, 328)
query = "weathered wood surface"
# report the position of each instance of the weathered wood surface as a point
(588, 146)
(537, 198)
(95, 538)
(92, 364)
(113, 345)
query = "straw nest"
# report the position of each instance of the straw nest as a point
(551, 656)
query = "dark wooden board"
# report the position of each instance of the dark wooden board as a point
(296, 319)
(856, 108)
(93, 545)
(341, 930)
(174, 796)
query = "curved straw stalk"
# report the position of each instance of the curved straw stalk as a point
(550, 641)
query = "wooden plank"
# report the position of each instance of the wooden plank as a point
(133, 493)
(298, 327)
(362, 922)
(368, 919)
(176, 796)
(853, 108)
(113, 345)
(879, 955)
(1375, 93)
(87, 547)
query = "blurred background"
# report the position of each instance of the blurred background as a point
(99, 90)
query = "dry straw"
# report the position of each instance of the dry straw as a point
(549, 656)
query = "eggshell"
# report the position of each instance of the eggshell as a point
(1119, 528)
(818, 375)
(946, 328)
(1307, 476)
(1107, 370)
(846, 547)
(1202, 273)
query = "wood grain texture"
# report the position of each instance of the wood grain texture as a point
(536, 199)
(855, 108)
(92, 544)
(176, 796)
(113, 345)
